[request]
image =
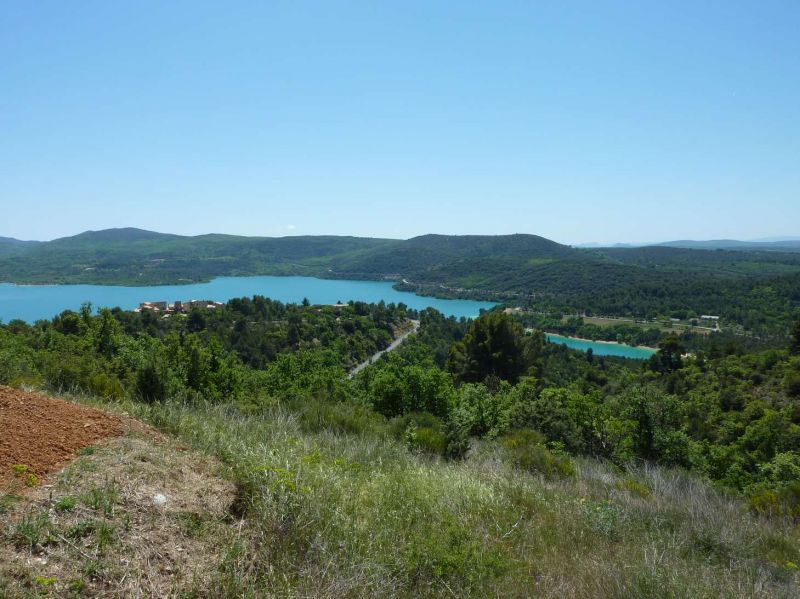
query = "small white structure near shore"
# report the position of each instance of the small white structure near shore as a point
(178, 307)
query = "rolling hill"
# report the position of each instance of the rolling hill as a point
(747, 286)
(10, 246)
(128, 256)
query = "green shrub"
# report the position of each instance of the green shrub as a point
(400, 424)
(15, 363)
(526, 450)
(451, 551)
(65, 504)
(150, 383)
(420, 430)
(105, 385)
(784, 501)
(64, 372)
(430, 440)
(340, 417)
(602, 517)
(456, 436)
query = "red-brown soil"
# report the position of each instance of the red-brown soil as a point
(43, 433)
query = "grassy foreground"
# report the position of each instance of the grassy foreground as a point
(322, 514)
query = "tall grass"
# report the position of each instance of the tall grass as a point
(333, 514)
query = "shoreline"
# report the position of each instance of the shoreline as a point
(645, 347)
(48, 299)
(189, 282)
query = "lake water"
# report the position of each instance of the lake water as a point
(35, 302)
(600, 348)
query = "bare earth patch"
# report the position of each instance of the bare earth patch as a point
(39, 434)
(137, 515)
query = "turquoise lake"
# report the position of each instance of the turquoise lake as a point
(36, 302)
(603, 349)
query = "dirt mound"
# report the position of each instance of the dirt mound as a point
(42, 433)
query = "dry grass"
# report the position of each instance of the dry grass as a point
(94, 529)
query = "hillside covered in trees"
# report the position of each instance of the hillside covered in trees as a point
(756, 290)
(725, 415)
(695, 457)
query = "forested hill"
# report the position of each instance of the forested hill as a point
(435, 256)
(10, 246)
(132, 255)
(757, 289)
(504, 263)
(120, 256)
(12, 241)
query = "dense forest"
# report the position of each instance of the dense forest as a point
(476, 459)
(728, 415)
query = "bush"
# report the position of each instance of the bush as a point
(527, 451)
(477, 408)
(765, 502)
(340, 417)
(105, 385)
(15, 363)
(430, 440)
(783, 502)
(451, 551)
(64, 372)
(396, 389)
(420, 430)
(150, 383)
(457, 439)
(400, 424)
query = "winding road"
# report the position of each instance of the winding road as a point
(393, 345)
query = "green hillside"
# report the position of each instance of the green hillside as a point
(120, 256)
(475, 460)
(757, 290)
(10, 246)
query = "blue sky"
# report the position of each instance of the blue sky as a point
(578, 121)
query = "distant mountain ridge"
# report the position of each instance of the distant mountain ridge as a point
(432, 253)
(734, 244)
(467, 265)
(137, 256)
(10, 246)
(782, 244)
(12, 241)
(129, 255)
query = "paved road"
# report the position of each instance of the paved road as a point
(394, 344)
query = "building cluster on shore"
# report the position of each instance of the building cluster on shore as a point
(178, 307)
